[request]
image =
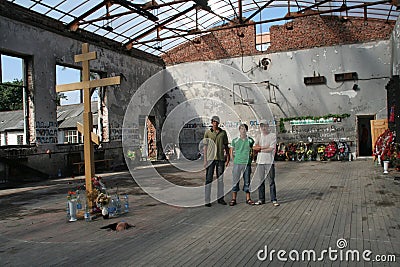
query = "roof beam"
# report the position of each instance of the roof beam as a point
(258, 11)
(129, 44)
(74, 25)
(137, 9)
(240, 9)
(312, 6)
(203, 4)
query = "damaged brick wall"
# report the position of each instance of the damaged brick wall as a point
(302, 33)
(215, 45)
(317, 31)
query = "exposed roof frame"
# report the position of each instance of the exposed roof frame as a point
(288, 17)
(134, 8)
(258, 11)
(129, 44)
(123, 23)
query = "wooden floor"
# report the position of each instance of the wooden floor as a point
(321, 203)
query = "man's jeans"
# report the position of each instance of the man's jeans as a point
(238, 169)
(219, 166)
(262, 169)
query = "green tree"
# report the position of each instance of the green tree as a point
(11, 95)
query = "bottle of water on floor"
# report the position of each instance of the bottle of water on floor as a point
(78, 200)
(87, 212)
(126, 203)
(68, 212)
(112, 208)
(118, 205)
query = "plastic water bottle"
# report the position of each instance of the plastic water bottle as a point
(118, 206)
(87, 213)
(126, 203)
(68, 212)
(78, 201)
(112, 208)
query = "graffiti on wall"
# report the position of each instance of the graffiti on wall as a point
(132, 135)
(115, 131)
(46, 132)
(318, 133)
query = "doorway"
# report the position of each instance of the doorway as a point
(364, 147)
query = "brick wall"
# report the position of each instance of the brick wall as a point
(307, 32)
(317, 31)
(215, 45)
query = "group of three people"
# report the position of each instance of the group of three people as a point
(217, 156)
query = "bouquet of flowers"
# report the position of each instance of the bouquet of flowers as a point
(330, 150)
(382, 145)
(102, 200)
(71, 195)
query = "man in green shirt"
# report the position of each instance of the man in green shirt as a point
(216, 156)
(241, 149)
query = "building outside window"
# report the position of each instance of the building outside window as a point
(72, 137)
(20, 139)
(263, 41)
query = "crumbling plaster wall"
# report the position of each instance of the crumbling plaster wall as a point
(287, 70)
(44, 49)
(293, 98)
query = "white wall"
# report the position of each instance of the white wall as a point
(10, 138)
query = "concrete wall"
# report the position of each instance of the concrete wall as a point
(42, 49)
(292, 98)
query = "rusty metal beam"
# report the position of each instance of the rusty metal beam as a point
(137, 9)
(258, 11)
(312, 6)
(221, 17)
(144, 7)
(150, 6)
(240, 9)
(203, 4)
(73, 25)
(390, 11)
(129, 44)
(105, 18)
(233, 8)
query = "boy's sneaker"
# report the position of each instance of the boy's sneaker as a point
(260, 202)
(275, 203)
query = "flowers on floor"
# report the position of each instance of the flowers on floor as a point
(102, 200)
(382, 145)
(386, 148)
(71, 195)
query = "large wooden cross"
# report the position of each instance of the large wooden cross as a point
(87, 128)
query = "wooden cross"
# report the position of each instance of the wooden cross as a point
(87, 127)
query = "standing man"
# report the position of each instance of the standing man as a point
(216, 156)
(241, 149)
(265, 145)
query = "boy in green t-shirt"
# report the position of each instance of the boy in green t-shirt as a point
(242, 146)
